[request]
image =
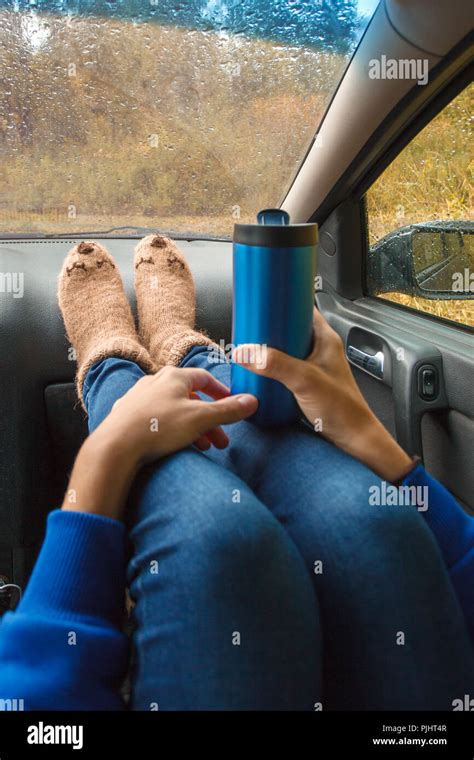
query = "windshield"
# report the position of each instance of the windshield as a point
(180, 116)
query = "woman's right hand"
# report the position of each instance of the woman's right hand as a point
(330, 399)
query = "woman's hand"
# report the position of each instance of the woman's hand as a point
(159, 415)
(330, 399)
(162, 414)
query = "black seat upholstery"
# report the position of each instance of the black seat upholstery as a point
(42, 424)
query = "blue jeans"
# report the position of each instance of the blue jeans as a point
(242, 557)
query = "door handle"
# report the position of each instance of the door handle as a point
(371, 363)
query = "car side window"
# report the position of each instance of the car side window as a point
(421, 220)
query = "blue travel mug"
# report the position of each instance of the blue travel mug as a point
(273, 300)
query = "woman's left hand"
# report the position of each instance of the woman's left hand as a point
(161, 414)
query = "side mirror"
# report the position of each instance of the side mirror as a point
(431, 260)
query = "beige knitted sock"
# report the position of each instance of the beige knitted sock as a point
(96, 312)
(166, 301)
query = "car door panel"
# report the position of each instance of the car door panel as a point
(441, 429)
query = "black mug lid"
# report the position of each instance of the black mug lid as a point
(276, 235)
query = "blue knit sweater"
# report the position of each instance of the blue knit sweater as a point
(63, 649)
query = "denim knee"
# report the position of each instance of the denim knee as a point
(222, 593)
(218, 528)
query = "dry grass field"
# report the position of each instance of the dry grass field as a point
(107, 123)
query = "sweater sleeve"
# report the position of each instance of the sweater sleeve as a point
(62, 648)
(453, 529)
